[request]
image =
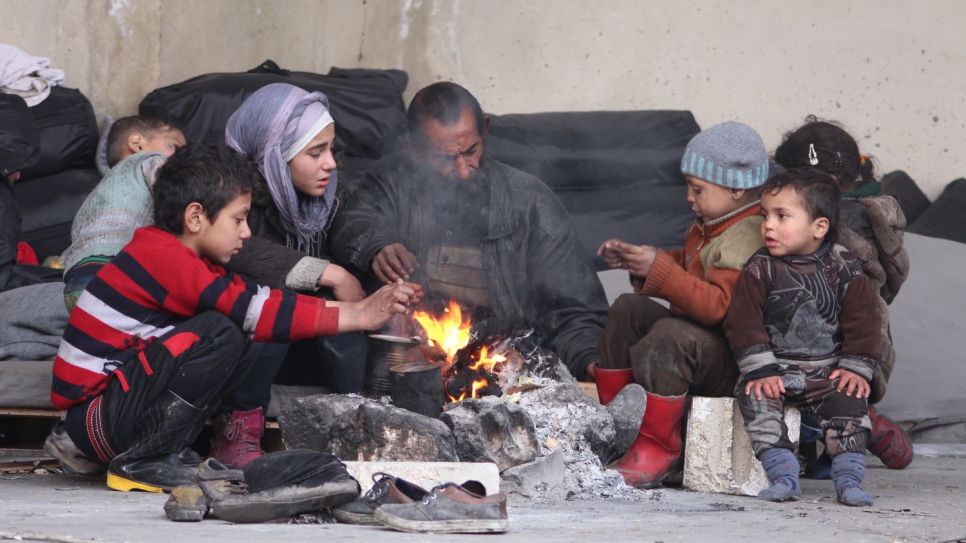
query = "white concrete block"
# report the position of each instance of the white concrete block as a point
(429, 474)
(718, 455)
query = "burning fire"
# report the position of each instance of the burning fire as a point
(448, 334)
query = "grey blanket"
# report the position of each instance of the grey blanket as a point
(32, 320)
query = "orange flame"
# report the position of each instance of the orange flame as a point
(487, 362)
(449, 332)
(477, 384)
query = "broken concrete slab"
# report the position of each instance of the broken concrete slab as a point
(488, 430)
(627, 410)
(429, 474)
(718, 456)
(305, 422)
(539, 476)
(377, 432)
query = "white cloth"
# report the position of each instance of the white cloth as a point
(26, 76)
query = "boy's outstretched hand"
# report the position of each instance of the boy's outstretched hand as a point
(772, 387)
(851, 382)
(636, 259)
(374, 312)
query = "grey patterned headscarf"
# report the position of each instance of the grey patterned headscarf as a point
(272, 126)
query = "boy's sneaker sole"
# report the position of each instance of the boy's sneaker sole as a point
(354, 518)
(461, 526)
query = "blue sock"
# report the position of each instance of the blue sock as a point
(781, 466)
(848, 470)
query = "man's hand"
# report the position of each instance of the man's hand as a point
(851, 382)
(343, 284)
(636, 259)
(771, 386)
(394, 262)
(374, 312)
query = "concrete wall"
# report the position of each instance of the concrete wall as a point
(890, 70)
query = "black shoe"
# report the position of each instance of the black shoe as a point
(284, 484)
(386, 489)
(153, 461)
(448, 509)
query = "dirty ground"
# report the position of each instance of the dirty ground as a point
(926, 502)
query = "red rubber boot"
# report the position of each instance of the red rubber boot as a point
(889, 441)
(610, 382)
(657, 451)
(237, 439)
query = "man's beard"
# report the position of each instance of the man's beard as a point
(473, 186)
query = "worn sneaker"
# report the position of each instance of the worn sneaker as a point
(386, 489)
(186, 504)
(448, 509)
(59, 445)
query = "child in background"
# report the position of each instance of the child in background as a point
(132, 135)
(121, 202)
(802, 333)
(672, 353)
(162, 333)
(870, 226)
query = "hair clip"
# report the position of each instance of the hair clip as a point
(812, 157)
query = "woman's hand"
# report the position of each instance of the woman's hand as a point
(343, 284)
(636, 259)
(394, 262)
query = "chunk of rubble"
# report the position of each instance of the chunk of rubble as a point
(375, 432)
(305, 422)
(488, 430)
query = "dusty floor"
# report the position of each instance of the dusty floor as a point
(926, 502)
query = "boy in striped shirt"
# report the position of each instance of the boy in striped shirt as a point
(162, 333)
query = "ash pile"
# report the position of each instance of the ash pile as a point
(530, 417)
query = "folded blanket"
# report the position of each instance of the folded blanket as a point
(27, 76)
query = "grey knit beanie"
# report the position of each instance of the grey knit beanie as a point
(729, 154)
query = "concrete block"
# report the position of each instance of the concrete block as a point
(539, 475)
(718, 455)
(429, 474)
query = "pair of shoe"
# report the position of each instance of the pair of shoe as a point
(276, 485)
(447, 508)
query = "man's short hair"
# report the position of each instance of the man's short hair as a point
(818, 192)
(149, 127)
(212, 175)
(444, 103)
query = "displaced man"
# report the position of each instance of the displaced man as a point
(469, 228)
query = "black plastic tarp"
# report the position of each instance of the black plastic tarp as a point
(367, 105)
(944, 218)
(618, 173)
(68, 133)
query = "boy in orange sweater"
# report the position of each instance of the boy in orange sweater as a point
(681, 350)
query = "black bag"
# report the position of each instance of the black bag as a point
(618, 173)
(367, 105)
(68, 133)
(48, 206)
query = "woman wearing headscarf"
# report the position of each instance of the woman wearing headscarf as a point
(288, 133)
